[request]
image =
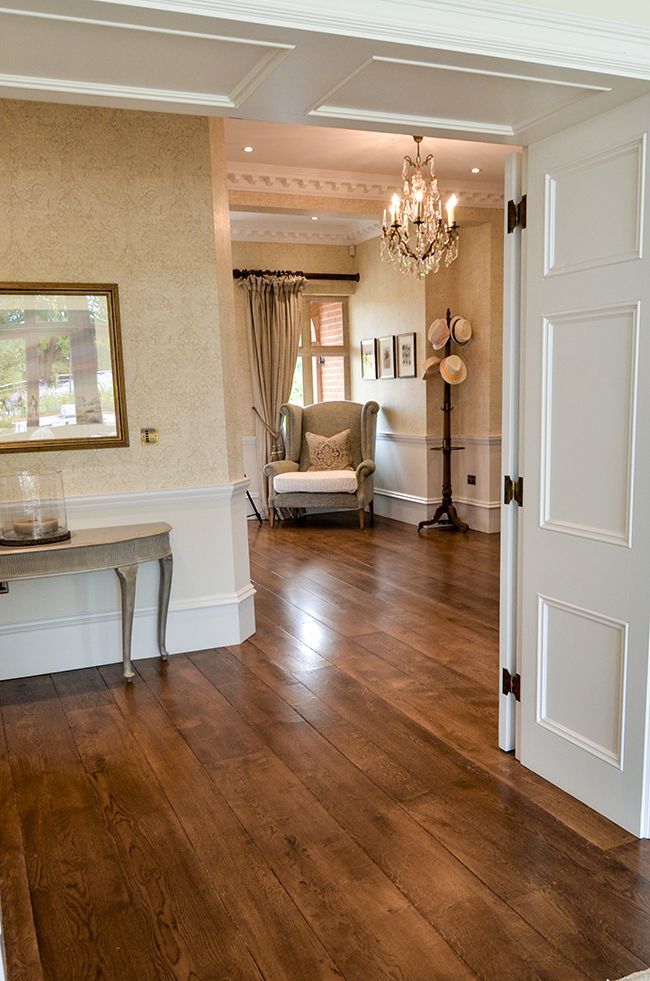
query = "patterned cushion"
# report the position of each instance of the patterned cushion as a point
(330, 452)
(316, 482)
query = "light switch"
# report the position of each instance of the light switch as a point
(148, 436)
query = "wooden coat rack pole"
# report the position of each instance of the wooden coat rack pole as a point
(446, 507)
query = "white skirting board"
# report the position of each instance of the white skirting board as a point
(479, 515)
(65, 622)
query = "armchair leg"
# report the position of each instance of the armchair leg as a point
(362, 519)
(271, 517)
(371, 509)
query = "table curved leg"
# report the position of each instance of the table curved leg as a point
(127, 575)
(166, 569)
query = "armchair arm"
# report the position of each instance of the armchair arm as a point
(365, 469)
(280, 466)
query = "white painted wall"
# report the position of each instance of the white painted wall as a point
(66, 622)
(409, 473)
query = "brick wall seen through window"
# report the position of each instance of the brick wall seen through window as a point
(323, 365)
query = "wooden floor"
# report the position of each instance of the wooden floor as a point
(324, 800)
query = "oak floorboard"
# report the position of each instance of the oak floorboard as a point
(636, 856)
(173, 894)
(82, 907)
(23, 959)
(525, 877)
(433, 880)
(280, 940)
(366, 924)
(404, 694)
(323, 800)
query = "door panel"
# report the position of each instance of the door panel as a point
(585, 583)
(581, 415)
(607, 183)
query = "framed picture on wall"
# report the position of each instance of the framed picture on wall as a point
(386, 356)
(368, 359)
(406, 366)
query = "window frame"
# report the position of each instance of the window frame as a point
(309, 350)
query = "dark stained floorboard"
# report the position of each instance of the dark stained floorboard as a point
(324, 800)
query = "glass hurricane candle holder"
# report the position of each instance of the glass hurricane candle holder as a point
(32, 509)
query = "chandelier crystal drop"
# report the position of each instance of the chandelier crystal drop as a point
(415, 236)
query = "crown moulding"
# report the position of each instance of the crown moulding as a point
(496, 28)
(359, 186)
(267, 233)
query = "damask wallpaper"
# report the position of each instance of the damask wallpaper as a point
(101, 196)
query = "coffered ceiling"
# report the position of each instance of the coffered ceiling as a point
(395, 66)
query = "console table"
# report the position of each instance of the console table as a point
(122, 549)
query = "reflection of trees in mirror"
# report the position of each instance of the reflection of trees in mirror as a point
(53, 358)
(56, 362)
(11, 317)
(53, 362)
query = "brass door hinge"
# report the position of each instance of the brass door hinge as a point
(511, 684)
(513, 490)
(516, 215)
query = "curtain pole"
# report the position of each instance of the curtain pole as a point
(344, 277)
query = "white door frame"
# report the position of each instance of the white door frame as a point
(510, 452)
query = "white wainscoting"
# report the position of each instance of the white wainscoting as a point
(408, 479)
(65, 622)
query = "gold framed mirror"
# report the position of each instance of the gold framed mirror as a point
(61, 367)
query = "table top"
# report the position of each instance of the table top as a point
(93, 536)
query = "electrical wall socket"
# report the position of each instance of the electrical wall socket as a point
(471, 478)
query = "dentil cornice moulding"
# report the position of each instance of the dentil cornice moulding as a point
(265, 232)
(495, 28)
(337, 184)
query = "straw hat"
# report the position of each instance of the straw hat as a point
(438, 333)
(461, 330)
(453, 369)
(430, 367)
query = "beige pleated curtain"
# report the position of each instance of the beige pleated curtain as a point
(273, 319)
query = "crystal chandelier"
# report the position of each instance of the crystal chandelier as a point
(417, 238)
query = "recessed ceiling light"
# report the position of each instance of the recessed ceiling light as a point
(476, 170)
(314, 217)
(248, 149)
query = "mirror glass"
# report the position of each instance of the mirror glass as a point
(61, 372)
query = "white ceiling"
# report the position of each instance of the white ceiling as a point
(358, 151)
(445, 68)
(300, 161)
(347, 81)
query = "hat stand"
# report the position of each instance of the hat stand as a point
(446, 508)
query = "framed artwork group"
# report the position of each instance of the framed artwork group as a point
(393, 356)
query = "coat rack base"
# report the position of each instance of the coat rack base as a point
(453, 523)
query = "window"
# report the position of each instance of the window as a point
(323, 367)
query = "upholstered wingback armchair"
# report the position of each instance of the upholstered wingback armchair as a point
(293, 485)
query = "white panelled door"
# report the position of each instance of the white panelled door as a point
(585, 587)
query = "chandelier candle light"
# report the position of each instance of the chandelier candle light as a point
(417, 238)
